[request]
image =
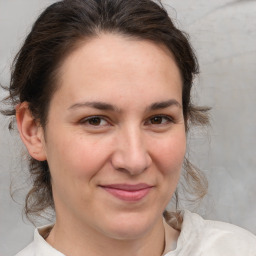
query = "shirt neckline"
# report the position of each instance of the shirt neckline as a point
(171, 246)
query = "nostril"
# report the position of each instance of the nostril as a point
(132, 164)
(131, 154)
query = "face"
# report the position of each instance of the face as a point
(115, 138)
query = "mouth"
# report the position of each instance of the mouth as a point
(128, 192)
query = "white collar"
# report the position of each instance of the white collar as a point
(44, 248)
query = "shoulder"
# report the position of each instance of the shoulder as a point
(39, 246)
(216, 238)
(27, 251)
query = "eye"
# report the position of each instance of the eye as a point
(159, 120)
(94, 121)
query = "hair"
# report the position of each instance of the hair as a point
(57, 32)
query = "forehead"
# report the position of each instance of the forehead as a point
(111, 64)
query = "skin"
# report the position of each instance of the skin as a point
(129, 138)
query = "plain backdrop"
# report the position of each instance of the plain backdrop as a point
(223, 33)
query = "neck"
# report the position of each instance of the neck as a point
(76, 240)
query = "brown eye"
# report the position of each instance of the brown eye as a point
(156, 120)
(94, 121)
(159, 120)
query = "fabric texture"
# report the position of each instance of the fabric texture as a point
(198, 237)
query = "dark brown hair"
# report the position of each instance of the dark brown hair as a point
(58, 31)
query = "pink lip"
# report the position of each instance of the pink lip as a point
(128, 192)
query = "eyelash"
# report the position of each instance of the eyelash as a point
(169, 119)
(86, 121)
(91, 118)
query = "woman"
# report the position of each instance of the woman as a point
(101, 94)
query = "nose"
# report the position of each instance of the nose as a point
(131, 154)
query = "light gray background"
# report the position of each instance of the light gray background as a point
(223, 33)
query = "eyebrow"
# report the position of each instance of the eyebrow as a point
(164, 104)
(106, 106)
(95, 104)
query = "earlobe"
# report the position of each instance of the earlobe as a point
(30, 132)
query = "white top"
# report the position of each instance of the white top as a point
(198, 237)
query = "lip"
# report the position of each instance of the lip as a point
(128, 192)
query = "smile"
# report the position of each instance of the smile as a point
(128, 192)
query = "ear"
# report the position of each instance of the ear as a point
(31, 132)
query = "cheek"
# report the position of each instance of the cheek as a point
(169, 154)
(76, 156)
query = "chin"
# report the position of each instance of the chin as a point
(130, 227)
